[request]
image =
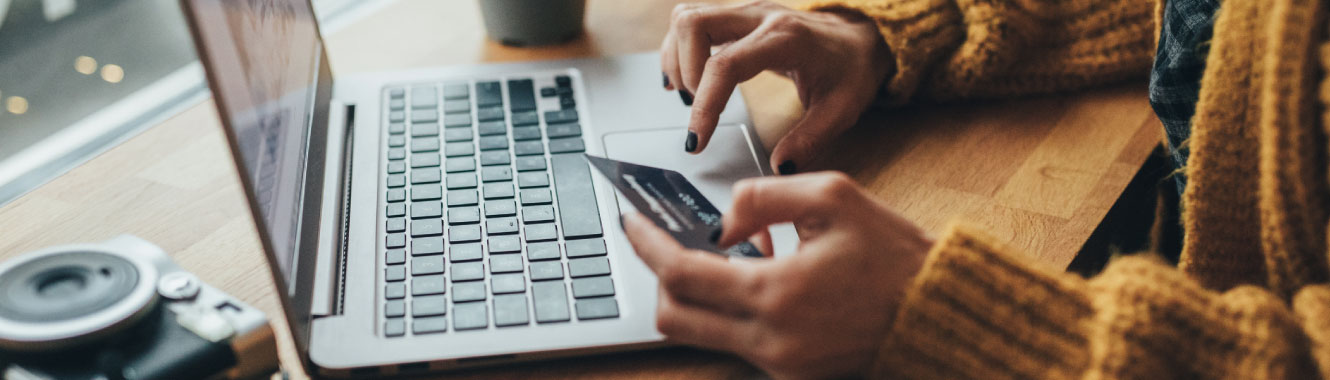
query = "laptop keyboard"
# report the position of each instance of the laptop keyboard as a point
(491, 220)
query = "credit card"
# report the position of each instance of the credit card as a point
(669, 200)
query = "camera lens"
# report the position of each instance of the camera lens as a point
(70, 296)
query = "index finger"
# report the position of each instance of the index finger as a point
(738, 62)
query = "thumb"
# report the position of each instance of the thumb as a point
(822, 121)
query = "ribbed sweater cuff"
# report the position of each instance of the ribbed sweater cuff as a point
(975, 313)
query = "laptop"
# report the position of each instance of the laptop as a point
(445, 218)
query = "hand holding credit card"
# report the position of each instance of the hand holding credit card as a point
(672, 203)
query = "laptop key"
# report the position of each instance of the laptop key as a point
(593, 287)
(537, 214)
(563, 130)
(397, 180)
(426, 193)
(470, 316)
(585, 248)
(464, 252)
(494, 157)
(533, 179)
(463, 215)
(457, 120)
(425, 175)
(458, 149)
(396, 195)
(526, 133)
(423, 97)
(431, 325)
(469, 291)
(471, 271)
(394, 291)
(460, 164)
(539, 196)
(394, 308)
(394, 256)
(396, 167)
(463, 180)
(396, 93)
(498, 190)
(567, 102)
(424, 160)
(456, 91)
(421, 210)
(426, 285)
(579, 213)
(501, 226)
(525, 118)
(510, 310)
(551, 301)
(427, 246)
(429, 306)
(488, 94)
(395, 225)
(396, 153)
(597, 308)
(396, 209)
(463, 234)
(563, 81)
(456, 134)
(505, 244)
(561, 116)
(493, 142)
(505, 263)
(587, 267)
(541, 232)
(427, 265)
(425, 145)
(530, 163)
(496, 173)
(566, 145)
(547, 92)
(397, 116)
(394, 273)
(428, 227)
(521, 95)
(424, 116)
(456, 106)
(528, 148)
(394, 327)
(489, 113)
(397, 240)
(425, 130)
(546, 270)
(491, 128)
(508, 283)
(396, 104)
(542, 251)
(464, 197)
(396, 141)
(502, 207)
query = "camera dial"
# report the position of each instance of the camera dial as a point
(53, 300)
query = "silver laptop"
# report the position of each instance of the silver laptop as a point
(445, 218)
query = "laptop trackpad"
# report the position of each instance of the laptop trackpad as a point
(726, 160)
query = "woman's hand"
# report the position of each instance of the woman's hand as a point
(820, 313)
(837, 62)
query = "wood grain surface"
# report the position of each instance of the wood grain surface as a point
(1040, 173)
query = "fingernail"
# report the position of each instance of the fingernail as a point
(666, 79)
(715, 235)
(786, 168)
(690, 144)
(687, 98)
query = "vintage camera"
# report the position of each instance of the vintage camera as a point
(122, 310)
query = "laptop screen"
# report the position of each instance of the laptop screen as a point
(263, 57)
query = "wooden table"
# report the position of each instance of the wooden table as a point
(1040, 173)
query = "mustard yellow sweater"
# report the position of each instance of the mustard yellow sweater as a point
(1250, 299)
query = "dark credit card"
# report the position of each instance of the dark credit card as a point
(669, 200)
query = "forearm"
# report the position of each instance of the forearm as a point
(976, 312)
(955, 49)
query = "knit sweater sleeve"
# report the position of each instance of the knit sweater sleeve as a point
(977, 312)
(954, 49)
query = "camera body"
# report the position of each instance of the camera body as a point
(121, 309)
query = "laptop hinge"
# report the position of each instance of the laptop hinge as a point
(331, 274)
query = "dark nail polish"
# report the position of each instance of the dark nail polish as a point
(687, 98)
(690, 144)
(666, 79)
(786, 168)
(715, 235)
